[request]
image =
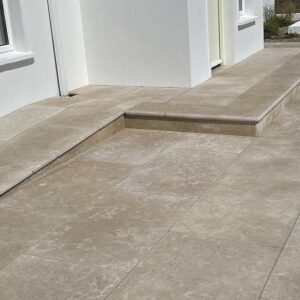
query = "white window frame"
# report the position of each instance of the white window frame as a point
(9, 46)
(242, 11)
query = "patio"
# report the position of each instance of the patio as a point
(107, 212)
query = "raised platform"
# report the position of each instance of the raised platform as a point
(241, 100)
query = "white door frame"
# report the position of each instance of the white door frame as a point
(58, 47)
(221, 35)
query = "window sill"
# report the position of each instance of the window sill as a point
(246, 19)
(14, 57)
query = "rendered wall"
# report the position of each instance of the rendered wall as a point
(142, 42)
(241, 43)
(68, 25)
(26, 82)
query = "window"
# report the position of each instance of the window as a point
(5, 42)
(241, 7)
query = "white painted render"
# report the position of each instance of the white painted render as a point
(249, 40)
(28, 81)
(149, 43)
(24, 82)
(67, 25)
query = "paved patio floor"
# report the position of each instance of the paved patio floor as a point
(160, 215)
(146, 214)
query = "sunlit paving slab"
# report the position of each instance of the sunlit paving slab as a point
(284, 280)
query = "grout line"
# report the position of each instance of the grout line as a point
(279, 255)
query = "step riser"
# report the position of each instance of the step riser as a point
(214, 126)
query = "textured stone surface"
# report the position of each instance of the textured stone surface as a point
(19, 230)
(135, 147)
(38, 146)
(34, 278)
(262, 212)
(285, 278)
(188, 267)
(179, 172)
(23, 119)
(117, 232)
(70, 189)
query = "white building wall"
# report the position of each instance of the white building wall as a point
(28, 81)
(68, 28)
(241, 43)
(25, 82)
(142, 42)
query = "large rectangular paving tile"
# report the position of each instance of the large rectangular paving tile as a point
(287, 123)
(11, 176)
(67, 190)
(185, 266)
(132, 146)
(214, 142)
(205, 98)
(266, 160)
(19, 230)
(116, 233)
(89, 118)
(105, 91)
(17, 122)
(150, 94)
(228, 85)
(284, 282)
(38, 146)
(34, 278)
(179, 172)
(262, 212)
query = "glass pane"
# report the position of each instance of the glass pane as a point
(241, 8)
(3, 30)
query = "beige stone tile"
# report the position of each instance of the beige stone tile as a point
(268, 58)
(132, 146)
(10, 250)
(117, 232)
(285, 278)
(189, 267)
(227, 85)
(280, 79)
(208, 98)
(181, 125)
(85, 117)
(30, 278)
(150, 94)
(179, 171)
(39, 146)
(214, 142)
(262, 212)
(11, 176)
(19, 121)
(287, 123)
(19, 230)
(266, 160)
(21, 226)
(246, 70)
(262, 89)
(108, 92)
(67, 190)
(77, 100)
(148, 109)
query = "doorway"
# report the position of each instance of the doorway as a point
(214, 24)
